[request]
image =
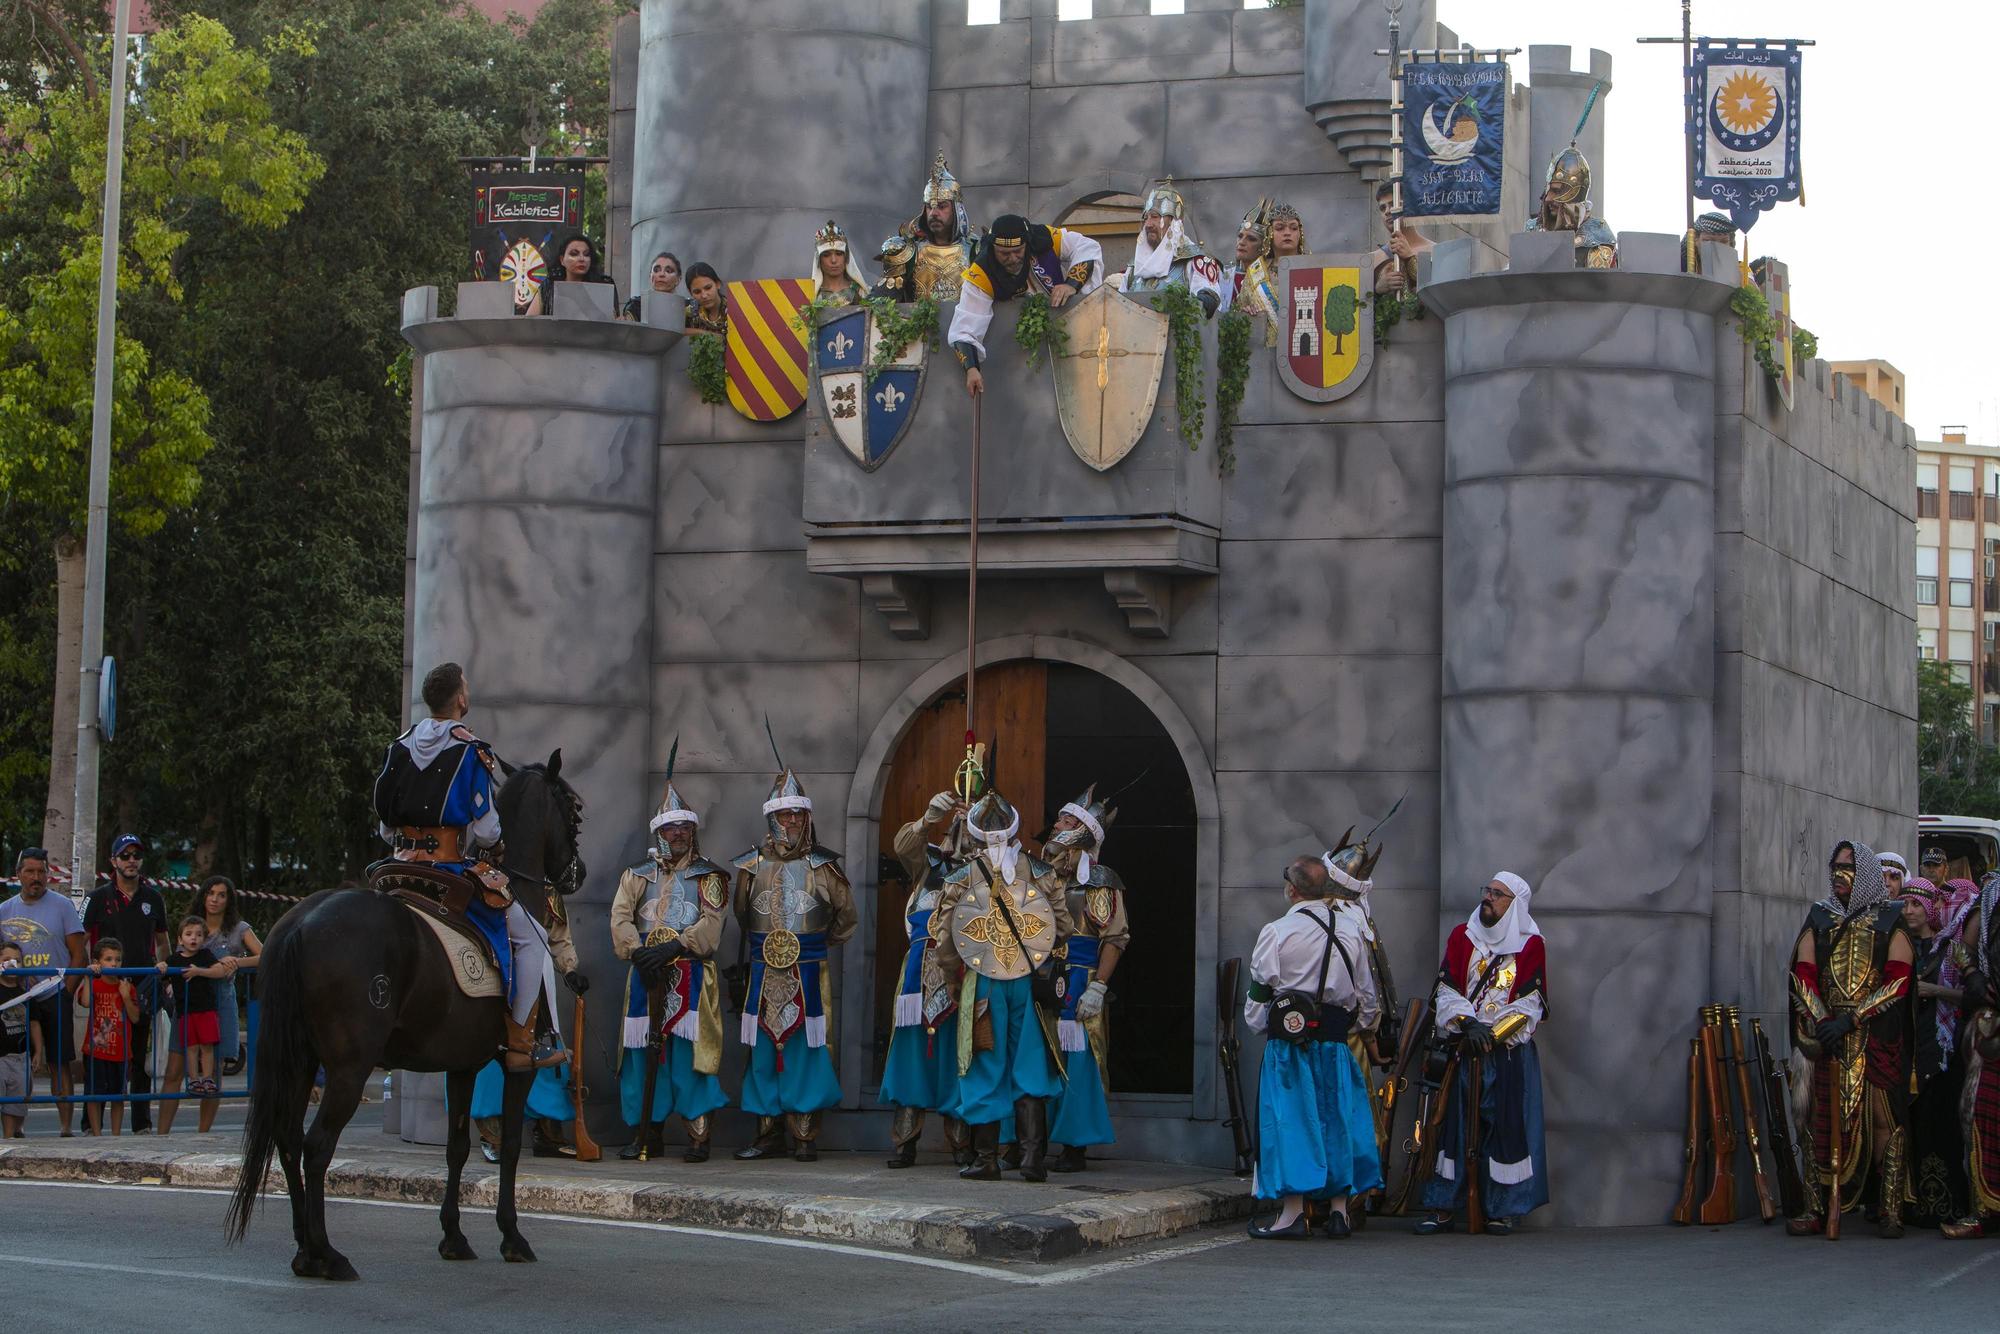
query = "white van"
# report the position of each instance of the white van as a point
(1971, 846)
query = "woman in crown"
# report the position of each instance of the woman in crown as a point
(833, 263)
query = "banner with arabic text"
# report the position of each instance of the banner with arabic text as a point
(1745, 127)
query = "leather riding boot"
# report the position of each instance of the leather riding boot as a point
(522, 1053)
(1031, 1115)
(1069, 1160)
(646, 1144)
(958, 1136)
(904, 1132)
(985, 1164)
(805, 1135)
(770, 1141)
(1894, 1166)
(1813, 1221)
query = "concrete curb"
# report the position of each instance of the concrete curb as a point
(1069, 1229)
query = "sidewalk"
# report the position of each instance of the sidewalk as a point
(843, 1197)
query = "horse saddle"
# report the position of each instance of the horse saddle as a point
(439, 898)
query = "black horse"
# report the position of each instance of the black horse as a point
(350, 981)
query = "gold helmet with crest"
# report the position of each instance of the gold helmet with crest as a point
(942, 187)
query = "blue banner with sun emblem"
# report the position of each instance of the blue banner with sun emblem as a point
(1454, 123)
(1744, 119)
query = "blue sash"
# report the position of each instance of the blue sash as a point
(1076, 976)
(913, 962)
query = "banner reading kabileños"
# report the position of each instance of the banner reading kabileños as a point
(1454, 138)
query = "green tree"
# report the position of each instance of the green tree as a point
(1957, 772)
(199, 142)
(1340, 314)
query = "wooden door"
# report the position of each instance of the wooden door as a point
(1013, 722)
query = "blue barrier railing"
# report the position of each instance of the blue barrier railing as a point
(157, 1052)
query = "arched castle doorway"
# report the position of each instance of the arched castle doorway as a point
(1063, 713)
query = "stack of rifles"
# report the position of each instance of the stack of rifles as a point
(1717, 1046)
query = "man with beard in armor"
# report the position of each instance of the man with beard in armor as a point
(794, 904)
(946, 242)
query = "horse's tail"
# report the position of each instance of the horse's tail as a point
(285, 1063)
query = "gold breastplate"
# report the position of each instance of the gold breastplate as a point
(1850, 972)
(938, 270)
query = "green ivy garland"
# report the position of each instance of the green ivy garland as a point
(1232, 375)
(895, 331)
(1391, 309)
(1038, 333)
(706, 368)
(814, 312)
(1184, 317)
(1761, 331)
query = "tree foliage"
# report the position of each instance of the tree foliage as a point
(1957, 772)
(260, 627)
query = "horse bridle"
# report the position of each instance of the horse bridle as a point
(567, 881)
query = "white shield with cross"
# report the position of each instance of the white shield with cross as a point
(866, 399)
(1109, 378)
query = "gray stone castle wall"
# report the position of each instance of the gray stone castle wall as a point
(1557, 570)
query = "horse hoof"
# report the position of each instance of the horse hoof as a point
(516, 1251)
(304, 1265)
(339, 1270)
(456, 1248)
(332, 1266)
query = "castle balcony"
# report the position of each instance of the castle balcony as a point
(1149, 518)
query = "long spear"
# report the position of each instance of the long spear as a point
(966, 782)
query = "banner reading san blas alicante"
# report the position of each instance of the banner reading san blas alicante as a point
(1746, 127)
(1454, 137)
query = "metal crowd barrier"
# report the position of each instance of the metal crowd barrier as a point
(156, 1054)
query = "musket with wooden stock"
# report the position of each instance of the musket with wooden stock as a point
(1475, 1207)
(587, 1149)
(1719, 1205)
(1409, 1046)
(1423, 1144)
(1778, 1120)
(1684, 1208)
(1228, 995)
(1766, 1209)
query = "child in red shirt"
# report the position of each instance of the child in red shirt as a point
(114, 1008)
(195, 991)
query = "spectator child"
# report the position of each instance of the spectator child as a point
(17, 1039)
(114, 1008)
(195, 989)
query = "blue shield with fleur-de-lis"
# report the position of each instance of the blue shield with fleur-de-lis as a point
(866, 399)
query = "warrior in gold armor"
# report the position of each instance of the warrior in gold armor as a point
(795, 907)
(1006, 916)
(1850, 976)
(667, 920)
(1081, 1115)
(945, 241)
(1566, 207)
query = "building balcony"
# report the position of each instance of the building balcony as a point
(1149, 518)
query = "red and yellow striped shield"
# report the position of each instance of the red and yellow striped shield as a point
(766, 350)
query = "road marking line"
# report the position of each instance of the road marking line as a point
(998, 1275)
(1961, 1271)
(189, 1275)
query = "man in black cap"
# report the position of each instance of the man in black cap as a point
(135, 915)
(1018, 256)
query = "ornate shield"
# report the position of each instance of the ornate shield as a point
(1326, 324)
(979, 928)
(1775, 281)
(1107, 382)
(868, 417)
(765, 353)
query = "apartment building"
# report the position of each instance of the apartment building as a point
(1958, 559)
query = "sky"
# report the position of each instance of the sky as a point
(1885, 256)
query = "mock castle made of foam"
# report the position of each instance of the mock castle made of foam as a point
(1562, 567)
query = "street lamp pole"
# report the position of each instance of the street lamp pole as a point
(83, 850)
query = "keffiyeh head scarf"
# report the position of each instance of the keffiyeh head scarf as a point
(1868, 892)
(1512, 931)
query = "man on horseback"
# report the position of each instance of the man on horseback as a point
(435, 798)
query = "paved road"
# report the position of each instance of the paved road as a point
(78, 1256)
